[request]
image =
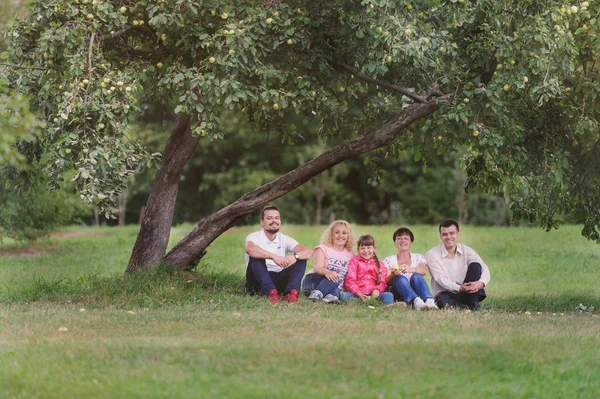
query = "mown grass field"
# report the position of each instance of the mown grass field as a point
(197, 335)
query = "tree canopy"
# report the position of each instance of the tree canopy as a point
(514, 82)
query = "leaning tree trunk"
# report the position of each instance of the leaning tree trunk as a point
(152, 240)
(191, 248)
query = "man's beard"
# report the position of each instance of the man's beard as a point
(272, 230)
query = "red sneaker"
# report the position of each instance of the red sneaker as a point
(291, 297)
(273, 297)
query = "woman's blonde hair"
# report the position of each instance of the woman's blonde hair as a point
(327, 238)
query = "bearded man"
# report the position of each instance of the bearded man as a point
(275, 262)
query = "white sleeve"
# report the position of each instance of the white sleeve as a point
(290, 244)
(389, 261)
(419, 259)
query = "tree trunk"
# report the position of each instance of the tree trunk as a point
(152, 240)
(191, 248)
(96, 216)
(122, 208)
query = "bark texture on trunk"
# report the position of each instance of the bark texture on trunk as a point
(152, 240)
(191, 248)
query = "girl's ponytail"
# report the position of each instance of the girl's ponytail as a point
(378, 268)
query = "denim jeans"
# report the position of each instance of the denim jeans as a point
(259, 279)
(406, 291)
(315, 281)
(386, 297)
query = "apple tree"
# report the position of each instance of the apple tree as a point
(513, 82)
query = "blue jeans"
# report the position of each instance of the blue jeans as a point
(315, 281)
(406, 291)
(260, 279)
(386, 297)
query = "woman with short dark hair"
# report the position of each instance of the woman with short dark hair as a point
(406, 271)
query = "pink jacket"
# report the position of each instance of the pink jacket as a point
(362, 276)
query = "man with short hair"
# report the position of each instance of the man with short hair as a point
(276, 262)
(458, 274)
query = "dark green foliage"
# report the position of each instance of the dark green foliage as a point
(30, 215)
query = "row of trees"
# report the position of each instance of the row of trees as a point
(513, 84)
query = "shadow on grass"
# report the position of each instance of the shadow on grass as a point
(544, 303)
(164, 286)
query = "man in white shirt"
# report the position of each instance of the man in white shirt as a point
(458, 274)
(276, 262)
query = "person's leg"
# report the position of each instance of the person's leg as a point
(447, 299)
(258, 278)
(419, 285)
(328, 287)
(474, 274)
(387, 298)
(348, 296)
(294, 276)
(310, 282)
(402, 290)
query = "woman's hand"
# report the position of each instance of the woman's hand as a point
(362, 296)
(331, 276)
(375, 294)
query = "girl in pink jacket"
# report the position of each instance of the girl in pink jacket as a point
(366, 275)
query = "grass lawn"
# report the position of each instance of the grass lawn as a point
(197, 335)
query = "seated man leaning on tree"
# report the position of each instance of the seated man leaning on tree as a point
(276, 262)
(458, 274)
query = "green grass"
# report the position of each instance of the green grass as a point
(164, 334)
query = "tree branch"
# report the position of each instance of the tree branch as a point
(381, 83)
(207, 230)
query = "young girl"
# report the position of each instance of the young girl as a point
(366, 275)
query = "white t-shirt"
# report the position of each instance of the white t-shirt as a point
(415, 260)
(281, 245)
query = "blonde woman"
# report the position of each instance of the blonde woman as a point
(325, 280)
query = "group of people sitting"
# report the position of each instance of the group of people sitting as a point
(276, 264)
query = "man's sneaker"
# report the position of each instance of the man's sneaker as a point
(315, 296)
(418, 304)
(273, 296)
(430, 303)
(291, 297)
(331, 298)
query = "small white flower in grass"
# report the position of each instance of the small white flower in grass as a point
(528, 313)
(371, 307)
(130, 312)
(82, 310)
(539, 313)
(62, 329)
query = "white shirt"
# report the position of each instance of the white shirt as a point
(447, 274)
(415, 260)
(280, 245)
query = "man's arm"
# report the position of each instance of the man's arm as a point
(439, 274)
(304, 253)
(473, 256)
(256, 252)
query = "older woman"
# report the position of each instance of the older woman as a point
(324, 281)
(406, 271)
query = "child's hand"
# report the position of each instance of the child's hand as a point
(362, 296)
(375, 294)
